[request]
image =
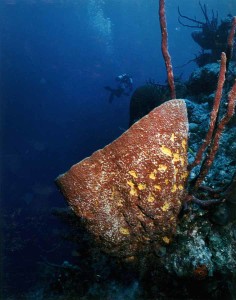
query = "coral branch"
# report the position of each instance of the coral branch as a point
(214, 112)
(230, 42)
(205, 203)
(220, 128)
(164, 48)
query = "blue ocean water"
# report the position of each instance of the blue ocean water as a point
(56, 58)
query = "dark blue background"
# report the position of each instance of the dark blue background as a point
(55, 61)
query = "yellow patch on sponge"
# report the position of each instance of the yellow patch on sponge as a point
(184, 144)
(166, 239)
(142, 186)
(120, 202)
(162, 168)
(174, 188)
(165, 207)
(166, 150)
(133, 191)
(157, 187)
(133, 173)
(176, 157)
(176, 170)
(153, 174)
(184, 175)
(124, 230)
(182, 160)
(172, 137)
(150, 198)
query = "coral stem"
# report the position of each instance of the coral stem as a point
(164, 48)
(214, 112)
(230, 42)
(220, 128)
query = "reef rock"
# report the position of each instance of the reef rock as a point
(129, 193)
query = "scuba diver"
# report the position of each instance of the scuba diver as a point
(125, 86)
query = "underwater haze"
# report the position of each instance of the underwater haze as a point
(61, 100)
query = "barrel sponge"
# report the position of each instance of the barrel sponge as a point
(129, 193)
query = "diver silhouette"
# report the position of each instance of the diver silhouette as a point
(125, 86)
